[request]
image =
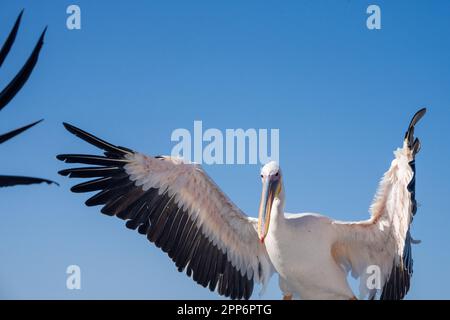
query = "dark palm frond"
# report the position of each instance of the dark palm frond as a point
(9, 135)
(10, 40)
(9, 181)
(10, 91)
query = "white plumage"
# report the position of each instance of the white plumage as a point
(180, 209)
(220, 220)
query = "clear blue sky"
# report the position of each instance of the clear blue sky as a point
(340, 94)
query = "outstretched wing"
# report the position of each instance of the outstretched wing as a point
(180, 209)
(384, 241)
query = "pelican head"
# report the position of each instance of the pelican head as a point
(271, 189)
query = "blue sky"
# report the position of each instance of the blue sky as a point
(340, 94)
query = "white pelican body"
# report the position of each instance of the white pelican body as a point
(317, 275)
(182, 211)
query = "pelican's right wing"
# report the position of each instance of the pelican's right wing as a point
(180, 209)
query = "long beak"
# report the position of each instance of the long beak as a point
(265, 206)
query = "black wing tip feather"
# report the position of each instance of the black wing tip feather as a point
(417, 116)
(414, 120)
(95, 141)
(414, 143)
(61, 157)
(72, 129)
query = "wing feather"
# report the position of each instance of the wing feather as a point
(180, 209)
(384, 240)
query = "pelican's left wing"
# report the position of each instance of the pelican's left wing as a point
(180, 209)
(378, 250)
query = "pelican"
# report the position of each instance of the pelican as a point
(180, 209)
(9, 92)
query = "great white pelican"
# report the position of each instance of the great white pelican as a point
(178, 207)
